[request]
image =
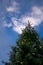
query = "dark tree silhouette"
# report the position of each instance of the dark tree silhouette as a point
(28, 50)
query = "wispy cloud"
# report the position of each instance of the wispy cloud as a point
(35, 18)
(14, 7)
(37, 13)
(7, 24)
(17, 25)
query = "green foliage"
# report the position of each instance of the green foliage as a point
(29, 50)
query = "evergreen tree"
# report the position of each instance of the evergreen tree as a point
(28, 50)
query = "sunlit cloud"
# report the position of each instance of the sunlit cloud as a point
(17, 25)
(37, 12)
(35, 18)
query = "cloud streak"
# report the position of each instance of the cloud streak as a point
(7, 24)
(35, 18)
(14, 7)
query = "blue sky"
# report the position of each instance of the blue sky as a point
(14, 16)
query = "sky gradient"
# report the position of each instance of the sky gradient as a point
(14, 16)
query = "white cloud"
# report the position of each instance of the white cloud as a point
(37, 12)
(10, 9)
(32, 20)
(17, 25)
(35, 18)
(14, 7)
(19, 29)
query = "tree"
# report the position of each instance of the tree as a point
(28, 50)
